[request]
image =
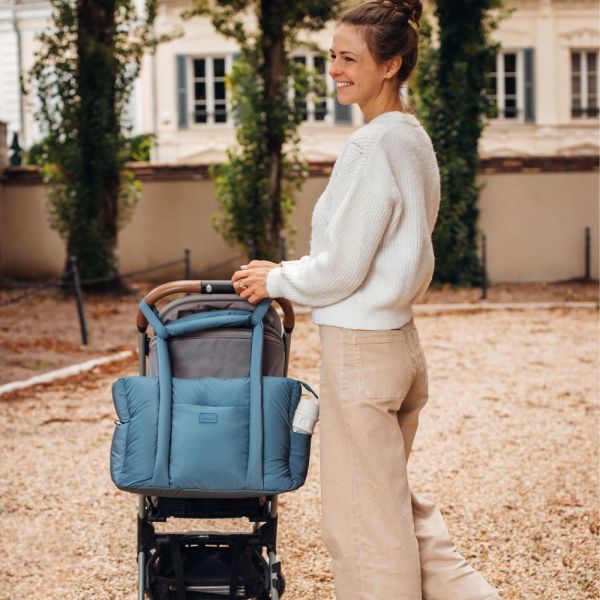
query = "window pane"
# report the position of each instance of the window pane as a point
(220, 90)
(220, 113)
(575, 62)
(510, 109)
(510, 85)
(219, 67)
(320, 111)
(200, 90)
(592, 60)
(576, 84)
(320, 65)
(592, 82)
(510, 62)
(200, 113)
(199, 67)
(300, 59)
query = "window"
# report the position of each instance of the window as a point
(584, 84)
(511, 85)
(324, 109)
(505, 86)
(209, 93)
(203, 98)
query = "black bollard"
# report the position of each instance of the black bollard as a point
(283, 248)
(484, 275)
(79, 300)
(187, 272)
(588, 250)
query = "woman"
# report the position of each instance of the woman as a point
(371, 258)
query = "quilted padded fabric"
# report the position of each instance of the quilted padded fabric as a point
(209, 441)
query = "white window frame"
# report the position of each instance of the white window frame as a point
(210, 90)
(520, 86)
(583, 75)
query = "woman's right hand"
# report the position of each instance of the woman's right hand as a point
(250, 282)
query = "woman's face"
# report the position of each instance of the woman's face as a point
(358, 78)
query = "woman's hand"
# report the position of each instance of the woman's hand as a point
(251, 281)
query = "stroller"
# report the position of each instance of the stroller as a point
(211, 565)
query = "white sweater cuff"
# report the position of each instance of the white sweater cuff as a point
(274, 283)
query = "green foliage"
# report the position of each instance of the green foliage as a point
(255, 186)
(450, 93)
(139, 147)
(83, 77)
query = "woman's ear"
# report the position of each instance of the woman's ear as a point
(393, 66)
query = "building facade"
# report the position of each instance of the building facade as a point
(545, 81)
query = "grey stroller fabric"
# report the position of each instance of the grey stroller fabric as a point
(222, 353)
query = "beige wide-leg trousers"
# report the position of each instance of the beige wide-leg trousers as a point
(386, 543)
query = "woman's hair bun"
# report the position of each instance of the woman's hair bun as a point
(411, 9)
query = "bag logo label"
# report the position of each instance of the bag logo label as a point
(208, 417)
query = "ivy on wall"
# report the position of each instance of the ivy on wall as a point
(83, 77)
(450, 94)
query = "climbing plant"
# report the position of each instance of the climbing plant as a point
(83, 77)
(255, 185)
(450, 95)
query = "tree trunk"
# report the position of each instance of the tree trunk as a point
(94, 238)
(272, 72)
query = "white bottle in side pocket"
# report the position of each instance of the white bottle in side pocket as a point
(306, 415)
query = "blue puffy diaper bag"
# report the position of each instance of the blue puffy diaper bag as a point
(208, 437)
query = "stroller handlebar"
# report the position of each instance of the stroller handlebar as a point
(199, 287)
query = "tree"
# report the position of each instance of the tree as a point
(83, 78)
(451, 99)
(256, 183)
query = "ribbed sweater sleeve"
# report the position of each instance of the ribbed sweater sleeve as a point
(362, 196)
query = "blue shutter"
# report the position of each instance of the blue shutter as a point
(342, 113)
(182, 100)
(235, 113)
(529, 76)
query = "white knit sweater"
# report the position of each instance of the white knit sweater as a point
(371, 255)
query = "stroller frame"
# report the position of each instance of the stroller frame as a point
(261, 511)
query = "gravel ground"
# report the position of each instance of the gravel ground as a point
(507, 447)
(40, 333)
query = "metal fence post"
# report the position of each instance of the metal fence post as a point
(187, 273)
(484, 275)
(588, 259)
(79, 300)
(251, 249)
(283, 248)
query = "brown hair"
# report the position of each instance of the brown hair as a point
(390, 28)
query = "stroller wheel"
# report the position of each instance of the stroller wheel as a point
(277, 580)
(281, 584)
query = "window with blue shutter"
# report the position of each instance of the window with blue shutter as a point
(585, 87)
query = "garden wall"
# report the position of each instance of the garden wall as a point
(533, 211)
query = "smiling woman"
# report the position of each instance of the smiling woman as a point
(370, 260)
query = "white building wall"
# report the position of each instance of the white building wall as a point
(553, 28)
(10, 94)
